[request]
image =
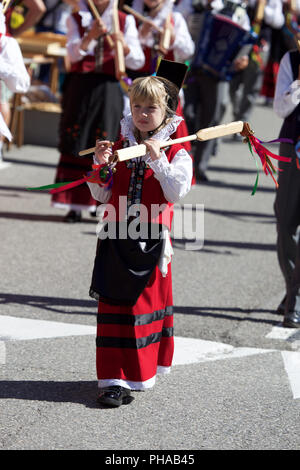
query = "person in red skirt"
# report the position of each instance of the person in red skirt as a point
(132, 273)
(92, 101)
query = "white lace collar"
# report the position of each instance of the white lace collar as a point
(127, 131)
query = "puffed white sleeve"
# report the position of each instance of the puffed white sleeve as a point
(183, 45)
(287, 90)
(176, 177)
(273, 14)
(135, 59)
(99, 193)
(75, 53)
(12, 69)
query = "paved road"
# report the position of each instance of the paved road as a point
(235, 383)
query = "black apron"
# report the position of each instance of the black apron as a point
(123, 266)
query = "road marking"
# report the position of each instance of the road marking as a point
(2, 352)
(288, 334)
(4, 165)
(191, 350)
(187, 350)
(15, 328)
(291, 360)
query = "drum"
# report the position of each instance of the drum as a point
(219, 43)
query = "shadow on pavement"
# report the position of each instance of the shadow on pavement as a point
(42, 218)
(218, 312)
(49, 303)
(180, 242)
(84, 393)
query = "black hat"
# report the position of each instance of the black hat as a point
(175, 72)
(172, 75)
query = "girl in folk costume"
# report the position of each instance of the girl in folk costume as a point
(92, 100)
(132, 274)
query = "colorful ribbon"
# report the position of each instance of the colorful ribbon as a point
(265, 155)
(125, 83)
(101, 174)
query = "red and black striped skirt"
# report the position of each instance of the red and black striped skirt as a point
(135, 343)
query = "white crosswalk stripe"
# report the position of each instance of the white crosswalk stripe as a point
(187, 350)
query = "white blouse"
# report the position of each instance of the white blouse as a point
(12, 69)
(134, 60)
(175, 179)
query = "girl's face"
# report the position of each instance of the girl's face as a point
(147, 116)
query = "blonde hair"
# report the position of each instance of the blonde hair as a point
(156, 90)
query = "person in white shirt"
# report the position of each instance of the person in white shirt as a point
(13, 75)
(92, 98)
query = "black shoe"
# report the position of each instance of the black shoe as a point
(114, 396)
(72, 217)
(281, 307)
(291, 320)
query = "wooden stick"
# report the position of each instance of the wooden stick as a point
(142, 18)
(260, 11)
(119, 51)
(293, 6)
(259, 15)
(165, 38)
(5, 4)
(203, 134)
(98, 17)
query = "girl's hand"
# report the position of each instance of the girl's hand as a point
(153, 147)
(103, 151)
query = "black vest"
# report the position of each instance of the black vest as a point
(291, 125)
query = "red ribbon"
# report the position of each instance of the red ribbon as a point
(92, 177)
(265, 155)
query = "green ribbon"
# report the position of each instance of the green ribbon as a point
(257, 168)
(49, 186)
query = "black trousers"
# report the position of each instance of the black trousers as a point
(287, 211)
(203, 108)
